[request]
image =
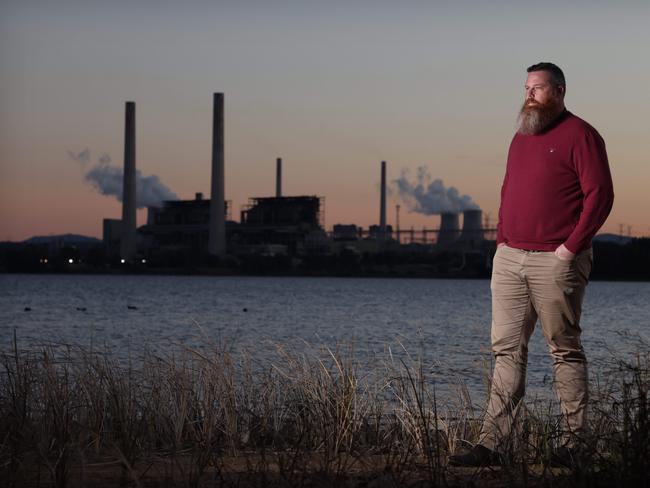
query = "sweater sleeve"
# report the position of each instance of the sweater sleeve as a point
(592, 167)
(500, 237)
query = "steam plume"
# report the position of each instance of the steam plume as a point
(430, 197)
(107, 180)
(83, 157)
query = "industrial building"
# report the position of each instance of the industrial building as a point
(346, 232)
(291, 225)
(180, 225)
(284, 221)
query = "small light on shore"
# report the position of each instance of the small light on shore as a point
(70, 260)
(144, 261)
(122, 261)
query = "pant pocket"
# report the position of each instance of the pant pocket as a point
(565, 274)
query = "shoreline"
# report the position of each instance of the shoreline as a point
(210, 272)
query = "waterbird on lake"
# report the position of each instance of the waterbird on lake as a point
(131, 307)
(81, 309)
(27, 309)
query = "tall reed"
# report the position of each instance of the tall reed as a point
(198, 417)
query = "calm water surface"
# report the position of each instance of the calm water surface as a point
(446, 322)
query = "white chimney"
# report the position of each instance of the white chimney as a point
(128, 240)
(382, 203)
(217, 224)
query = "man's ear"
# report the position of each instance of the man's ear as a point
(562, 90)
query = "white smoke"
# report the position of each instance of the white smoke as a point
(83, 157)
(430, 197)
(108, 180)
(104, 159)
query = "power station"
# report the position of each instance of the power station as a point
(268, 225)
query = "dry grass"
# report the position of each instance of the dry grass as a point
(75, 417)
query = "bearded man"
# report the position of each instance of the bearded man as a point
(557, 192)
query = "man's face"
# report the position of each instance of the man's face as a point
(541, 92)
(544, 101)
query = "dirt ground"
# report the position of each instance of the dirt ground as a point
(286, 470)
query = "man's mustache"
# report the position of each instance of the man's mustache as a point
(531, 104)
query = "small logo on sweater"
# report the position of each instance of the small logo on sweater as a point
(551, 149)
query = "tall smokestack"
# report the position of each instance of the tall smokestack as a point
(217, 227)
(278, 177)
(128, 243)
(382, 202)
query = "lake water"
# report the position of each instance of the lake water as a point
(445, 322)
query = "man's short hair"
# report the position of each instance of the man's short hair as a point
(557, 76)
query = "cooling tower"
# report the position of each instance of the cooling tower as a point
(278, 177)
(128, 239)
(472, 226)
(449, 228)
(382, 203)
(217, 225)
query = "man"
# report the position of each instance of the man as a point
(557, 192)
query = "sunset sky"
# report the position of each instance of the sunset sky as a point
(332, 87)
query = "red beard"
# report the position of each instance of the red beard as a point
(535, 118)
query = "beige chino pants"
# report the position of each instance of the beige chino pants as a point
(527, 285)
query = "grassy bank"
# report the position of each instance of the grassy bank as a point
(71, 416)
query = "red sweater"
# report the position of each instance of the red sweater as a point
(557, 188)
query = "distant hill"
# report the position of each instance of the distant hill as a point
(63, 239)
(613, 239)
